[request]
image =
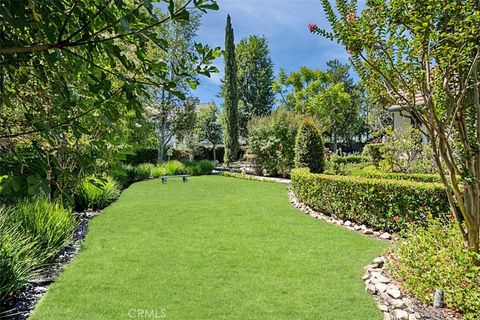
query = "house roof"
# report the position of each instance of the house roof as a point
(401, 105)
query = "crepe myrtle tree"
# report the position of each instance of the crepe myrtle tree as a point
(425, 56)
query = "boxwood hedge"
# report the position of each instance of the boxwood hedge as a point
(384, 204)
(419, 177)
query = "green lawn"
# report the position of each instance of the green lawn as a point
(213, 248)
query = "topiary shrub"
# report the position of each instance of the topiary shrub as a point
(94, 193)
(309, 150)
(383, 204)
(432, 257)
(374, 152)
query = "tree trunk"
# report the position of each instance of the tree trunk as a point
(214, 153)
(1, 89)
(335, 139)
(161, 144)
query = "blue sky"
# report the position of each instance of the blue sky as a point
(282, 22)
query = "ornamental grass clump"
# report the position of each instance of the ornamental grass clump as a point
(143, 171)
(49, 224)
(19, 258)
(158, 171)
(174, 167)
(31, 234)
(429, 258)
(96, 193)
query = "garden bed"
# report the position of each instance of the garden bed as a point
(20, 305)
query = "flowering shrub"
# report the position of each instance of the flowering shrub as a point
(430, 258)
(271, 139)
(384, 204)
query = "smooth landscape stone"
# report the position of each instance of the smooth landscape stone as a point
(381, 287)
(386, 236)
(383, 307)
(371, 288)
(394, 293)
(398, 304)
(400, 314)
(380, 277)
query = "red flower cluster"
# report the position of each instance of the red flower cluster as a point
(396, 219)
(350, 17)
(312, 27)
(465, 284)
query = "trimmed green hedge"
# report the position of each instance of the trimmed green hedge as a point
(384, 204)
(244, 176)
(418, 177)
(349, 159)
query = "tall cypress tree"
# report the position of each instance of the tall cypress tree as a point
(230, 97)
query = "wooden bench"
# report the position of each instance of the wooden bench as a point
(183, 176)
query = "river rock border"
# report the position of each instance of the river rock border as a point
(387, 293)
(350, 225)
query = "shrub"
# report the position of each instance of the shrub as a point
(50, 224)
(348, 159)
(374, 152)
(19, 260)
(191, 168)
(271, 139)
(196, 168)
(344, 165)
(244, 176)
(344, 169)
(384, 204)
(433, 257)
(130, 172)
(419, 177)
(122, 175)
(158, 171)
(143, 171)
(95, 193)
(404, 152)
(143, 156)
(30, 235)
(309, 150)
(174, 167)
(205, 167)
(347, 147)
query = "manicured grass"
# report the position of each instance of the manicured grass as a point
(213, 248)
